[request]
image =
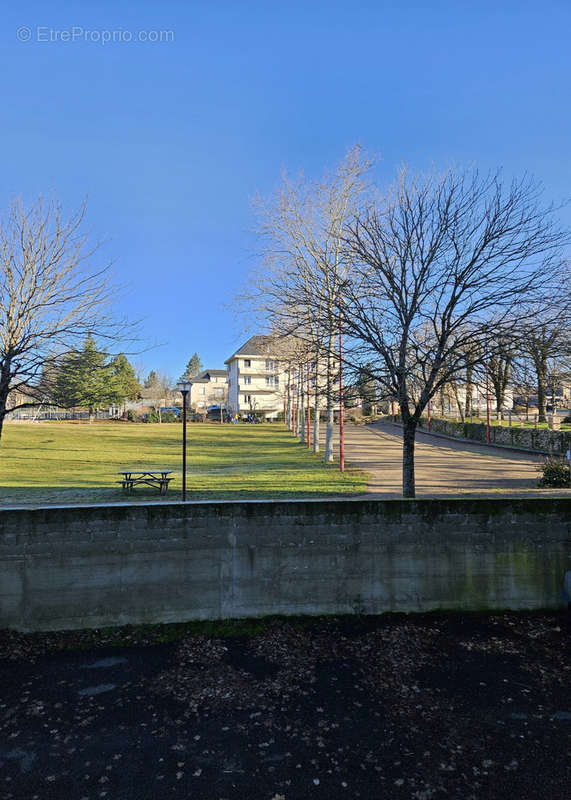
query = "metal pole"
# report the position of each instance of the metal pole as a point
(184, 394)
(293, 401)
(487, 404)
(287, 421)
(308, 415)
(341, 431)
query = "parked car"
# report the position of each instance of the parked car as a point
(214, 412)
(173, 409)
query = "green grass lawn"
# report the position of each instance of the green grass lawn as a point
(504, 423)
(50, 462)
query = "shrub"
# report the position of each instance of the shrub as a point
(555, 474)
(567, 418)
(169, 416)
(151, 416)
(132, 415)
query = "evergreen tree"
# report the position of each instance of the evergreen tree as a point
(86, 379)
(127, 386)
(192, 368)
(151, 380)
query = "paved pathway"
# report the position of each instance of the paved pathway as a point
(442, 466)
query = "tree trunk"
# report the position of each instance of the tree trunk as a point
(542, 394)
(458, 403)
(316, 411)
(3, 399)
(469, 389)
(4, 392)
(408, 436)
(329, 433)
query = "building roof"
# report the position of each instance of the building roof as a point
(207, 374)
(255, 346)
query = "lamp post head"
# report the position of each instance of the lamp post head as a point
(183, 387)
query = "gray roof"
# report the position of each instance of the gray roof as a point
(206, 374)
(255, 346)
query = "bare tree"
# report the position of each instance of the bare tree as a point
(547, 339)
(500, 369)
(524, 382)
(444, 265)
(302, 227)
(50, 299)
(158, 390)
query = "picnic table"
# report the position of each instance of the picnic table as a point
(157, 478)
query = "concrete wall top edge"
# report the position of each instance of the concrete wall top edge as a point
(351, 507)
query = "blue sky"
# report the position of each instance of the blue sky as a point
(170, 140)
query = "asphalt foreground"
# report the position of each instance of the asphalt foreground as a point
(425, 706)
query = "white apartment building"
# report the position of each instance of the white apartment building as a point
(255, 379)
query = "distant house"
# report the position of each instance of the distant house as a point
(209, 388)
(150, 398)
(255, 379)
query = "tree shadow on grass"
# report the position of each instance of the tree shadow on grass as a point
(35, 496)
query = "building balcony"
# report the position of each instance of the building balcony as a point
(248, 388)
(259, 370)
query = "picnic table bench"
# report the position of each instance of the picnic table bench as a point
(156, 478)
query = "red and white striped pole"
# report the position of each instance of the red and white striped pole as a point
(293, 402)
(341, 431)
(308, 414)
(487, 403)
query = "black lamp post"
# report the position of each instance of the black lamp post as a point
(184, 389)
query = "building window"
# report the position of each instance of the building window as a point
(247, 362)
(247, 398)
(202, 390)
(247, 380)
(272, 380)
(271, 365)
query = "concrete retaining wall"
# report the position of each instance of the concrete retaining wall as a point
(541, 439)
(94, 566)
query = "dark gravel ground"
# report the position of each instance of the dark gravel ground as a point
(427, 706)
